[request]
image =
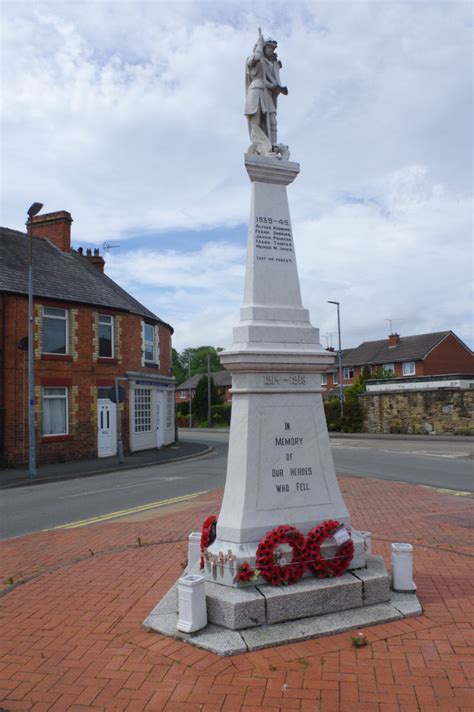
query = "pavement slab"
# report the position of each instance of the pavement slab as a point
(74, 600)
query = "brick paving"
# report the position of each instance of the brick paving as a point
(72, 637)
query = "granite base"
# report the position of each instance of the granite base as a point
(242, 620)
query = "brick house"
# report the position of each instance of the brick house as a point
(88, 331)
(222, 381)
(437, 354)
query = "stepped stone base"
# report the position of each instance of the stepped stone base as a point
(241, 620)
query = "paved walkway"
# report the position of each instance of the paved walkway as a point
(19, 477)
(75, 599)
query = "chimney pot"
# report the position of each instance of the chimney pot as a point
(394, 339)
(95, 258)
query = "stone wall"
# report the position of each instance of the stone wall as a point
(441, 411)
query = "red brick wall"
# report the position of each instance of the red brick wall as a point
(80, 372)
(449, 357)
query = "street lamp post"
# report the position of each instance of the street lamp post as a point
(339, 356)
(190, 394)
(32, 211)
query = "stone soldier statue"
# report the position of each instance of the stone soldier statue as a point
(262, 84)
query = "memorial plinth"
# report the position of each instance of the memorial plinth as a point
(280, 468)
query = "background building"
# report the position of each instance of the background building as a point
(436, 354)
(88, 332)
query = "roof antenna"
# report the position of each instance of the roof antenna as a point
(390, 321)
(107, 246)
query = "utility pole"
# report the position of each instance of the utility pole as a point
(209, 417)
(190, 393)
(339, 357)
(32, 211)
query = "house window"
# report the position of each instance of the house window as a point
(348, 373)
(142, 411)
(324, 379)
(169, 409)
(55, 411)
(106, 336)
(389, 368)
(149, 343)
(408, 368)
(183, 395)
(335, 379)
(55, 330)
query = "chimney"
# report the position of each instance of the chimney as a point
(394, 339)
(94, 259)
(56, 227)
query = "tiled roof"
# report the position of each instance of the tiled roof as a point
(409, 348)
(220, 378)
(68, 277)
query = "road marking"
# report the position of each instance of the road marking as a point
(125, 512)
(456, 493)
(423, 453)
(132, 484)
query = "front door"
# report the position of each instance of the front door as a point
(107, 428)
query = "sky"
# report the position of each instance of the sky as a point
(129, 115)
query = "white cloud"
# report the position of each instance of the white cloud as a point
(130, 115)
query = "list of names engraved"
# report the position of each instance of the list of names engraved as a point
(273, 240)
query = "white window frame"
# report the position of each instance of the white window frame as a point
(183, 395)
(102, 322)
(46, 397)
(169, 409)
(335, 378)
(324, 379)
(346, 376)
(412, 371)
(388, 368)
(147, 341)
(142, 417)
(64, 318)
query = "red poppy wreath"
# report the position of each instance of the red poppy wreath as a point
(327, 568)
(208, 535)
(281, 573)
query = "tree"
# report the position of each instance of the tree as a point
(179, 372)
(200, 399)
(198, 358)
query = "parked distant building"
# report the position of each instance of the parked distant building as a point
(222, 381)
(88, 331)
(436, 354)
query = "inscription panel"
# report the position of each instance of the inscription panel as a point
(290, 472)
(273, 240)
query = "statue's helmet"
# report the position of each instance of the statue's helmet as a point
(270, 43)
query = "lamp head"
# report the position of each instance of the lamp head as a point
(34, 209)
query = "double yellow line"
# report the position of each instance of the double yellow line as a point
(125, 512)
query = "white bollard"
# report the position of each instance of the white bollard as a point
(367, 537)
(191, 603)
(402, 567)
(194, 550)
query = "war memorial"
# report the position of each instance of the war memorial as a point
(281, 561)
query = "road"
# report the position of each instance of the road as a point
(104, 497)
